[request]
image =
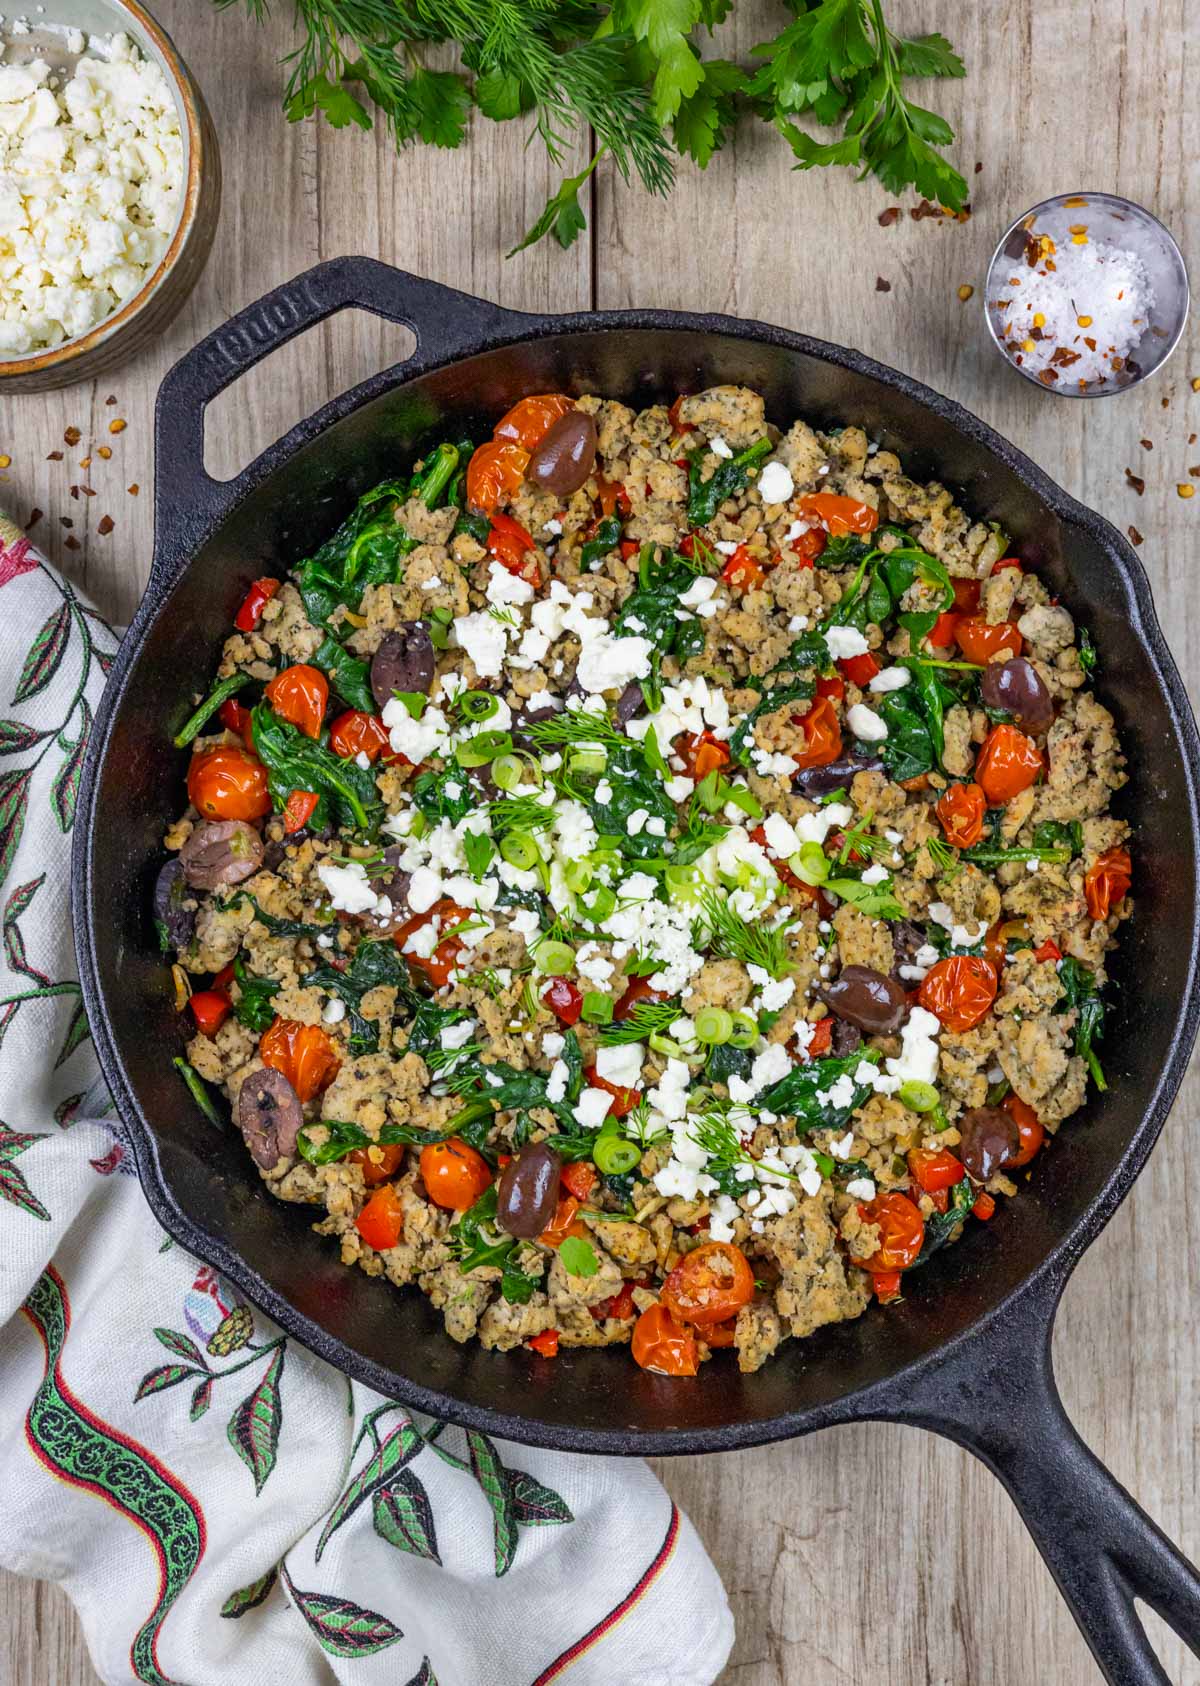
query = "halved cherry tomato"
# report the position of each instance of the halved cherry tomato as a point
(623, 1100)
(629, 548)
(944, 630)
(886, 1285)
(299, 809)
(664, 1346)
(901, 1232)
(830, 685)
(637, 989)
(981, 642)
(437, 966)
(253, 604)
(359, 733)
(966, 595)
(227, 783)
(224, 977)
(454, 1174)
(381, 1221)
(716, 1335)
(303, 1053)
(959, 991)
(821, 1040)
(300, 694)
(933, 1170)
(837, 514)
(859, 670)
(710, 1284)
(941, 1199)
(580, 1179)
(377, 1164)
(961, 809)
(545, 1344)
(1107, 881)
(612, 497)
(1049, 950)
(236, 719)
(530, 419)
(564, 1000)
(701, 753)
(620, 1305)
(1029, 1127)
(512, 546)
(1008, 763)
(822, 736)
(210, 1009)
(808, 546)
(1007, 562)
(496, 471)
(984, 1207)
(676, 421)
(743, 572)
(564, 1223)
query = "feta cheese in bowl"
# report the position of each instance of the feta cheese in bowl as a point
(109, 189)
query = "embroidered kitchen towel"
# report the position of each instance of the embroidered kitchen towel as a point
(221, 1505)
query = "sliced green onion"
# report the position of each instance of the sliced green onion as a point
(713, 1025)
(482, 748)
(917, 1096)
(683, 883)
(667, 1045)
(809, 863)
(555, 959)
(508, 771)
(587, 761)
(520, 850)
(615, 1156)
(743, 1031)
(578, 875)
(476, 705)
(598, 903)
(709, 794)
(597, 1007)
(209, 707)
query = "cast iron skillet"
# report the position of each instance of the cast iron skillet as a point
(968, 1352)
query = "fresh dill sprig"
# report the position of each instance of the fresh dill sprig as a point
(520, 813)
(637, 1127)
(732, 938)
(444, 1059)
(945, 858)
(577, 726)
(648, 1018)
(859, 841)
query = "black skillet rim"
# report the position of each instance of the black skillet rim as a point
(1041, 1286)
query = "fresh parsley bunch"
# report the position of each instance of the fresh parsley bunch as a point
(634, 74)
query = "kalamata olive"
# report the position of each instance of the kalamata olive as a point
(174, 905)
(221, 852)
(990, 1138)
(269, 1116)
(864, 997)
(563, 460)
(836, 775)
(631, 702)
(274, 853)
(907, 939)
(845, 1038)
(528, 1193)
(1016, 687)
(403, 662)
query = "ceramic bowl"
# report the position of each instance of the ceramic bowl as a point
(145, 313)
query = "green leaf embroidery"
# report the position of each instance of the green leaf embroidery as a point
(340, 1627)
(401, 1445)
(16, 736)
(14, 942)
(14, 795)
(535, 1506)
(157, 1381)
(491, 1475)
(64, 791)
(403, 1516)
(13, 1187)
(201, 1400)
(45, 654)
(250, 1597)
(181, 1345)
(424, 1675)
(253, 1430)
(77, 1031)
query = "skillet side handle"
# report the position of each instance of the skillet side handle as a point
(187, 500)
(1100, 1546)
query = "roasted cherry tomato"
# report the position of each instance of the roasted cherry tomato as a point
(1049, 950)
(564, 1223)
(932, 1170)
(454, 1174)
(1030, 1128)
(961, 809)
(623, 1100)
(629, 548)
(510, 545)
(822, 736)
(637, 989)
(710, 1284)
(210, 1009)
(381, 1221)
(530, 419)
(901, 1232)
(944, 630)
(701, 754)
(545, 1344)
(377, 1164)
(359, 733)
(984, 1207)
(564, 1000)
(300, 694)
(303, 1053)
(612, 497)
(227, 783)
(1007, 562)
(886, 1285)
(1107, 881)
(676, 421)
(966, 595)
(580, 1179)
(299, 809)
(821, 1040)
(980, 641)
(495, 473)
(253, 604)
(236, 719)
(1008, 763)
(437, 966)
(716, 1335)
(621, 1305)
(663, 1345)
(837, 514)
(859, 670)
(743, 572)
(830, 685)
(808, 546)
(959, 991)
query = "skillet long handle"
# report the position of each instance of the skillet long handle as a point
(1100, 1546)
(187, 500)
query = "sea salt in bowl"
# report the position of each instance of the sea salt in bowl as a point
(1086, 295)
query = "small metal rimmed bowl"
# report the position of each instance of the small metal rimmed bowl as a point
(142, 316)
(1102, 219)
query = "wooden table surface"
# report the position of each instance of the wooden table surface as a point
(865, 1553)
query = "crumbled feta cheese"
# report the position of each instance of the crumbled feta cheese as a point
(918, 1057)
(890, 679)
(334, 1011)
(416, 740)
(861, 1188)
(594, 967)
(556, 1083)
(636, 821)
(775, 483)
(554, 525)
(781, 837)
(592, 1108)
(866, 724)
(843, 1147)
(621, 1065)
(719, 448)
(656, 827)
(814, 828)
(347, 886)
(424, 888)
(875, 875)
(773, 1063)
(722, 1214)
(609, 664)
(679, 788)
(844, 642)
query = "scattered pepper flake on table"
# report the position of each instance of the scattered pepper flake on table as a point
(1136, 481)
(105, 525)
(882, 286)
(72, 542)
(55, 456)
(1146, 444)
(133, 490)
(888, 217)
(72, 436)
(1134, 535)
(35, 515)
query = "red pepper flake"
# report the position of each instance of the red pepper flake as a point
(111, 399)
(105, 525)
(924, 210)
(1165, 402)
(55, 456)
(75, 493)
(1192, 437)
(1048, 377)
(1146, 444)
(1134, 536)
(1062, 356)
(35, 515)
(1136, 481)
(65, 520)
(888, 217)
(72, 436)
(72, 542)
(978, 167)
(88, 491)
(133, 490)
(882, 286)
